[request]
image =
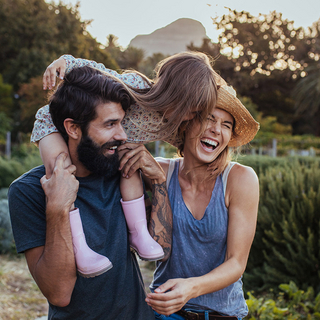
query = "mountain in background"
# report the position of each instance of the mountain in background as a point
(171, 39)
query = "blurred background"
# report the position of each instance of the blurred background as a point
(269, 52)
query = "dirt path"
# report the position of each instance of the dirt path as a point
(20, 298)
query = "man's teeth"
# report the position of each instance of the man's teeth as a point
(210, 142)
(114, 147)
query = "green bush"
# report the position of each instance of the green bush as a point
(6, 237)
(287, 242)
(23, 159)
(291, 304)
(262, 163)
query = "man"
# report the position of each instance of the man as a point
(87, 109)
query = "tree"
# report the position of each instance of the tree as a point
(307, 90)
(6, 97)
(32, 97)
(148, 65)
(263, 58)
(33, 33)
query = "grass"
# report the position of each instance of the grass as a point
(20, 298)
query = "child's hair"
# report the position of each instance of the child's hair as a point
(184, 83)
(78, 95)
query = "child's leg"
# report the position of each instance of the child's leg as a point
(131, 188)
(135, 213)
(89, 263)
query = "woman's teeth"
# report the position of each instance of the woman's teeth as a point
(210, 143)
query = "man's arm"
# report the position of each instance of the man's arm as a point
(159, 214)
(53, 265)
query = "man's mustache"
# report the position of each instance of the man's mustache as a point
(110, 144)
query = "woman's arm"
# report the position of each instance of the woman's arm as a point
(242, 197)
(136, 158)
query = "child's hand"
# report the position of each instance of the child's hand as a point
(137, 157)
(56, 68)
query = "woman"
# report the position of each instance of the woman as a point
(214, 204)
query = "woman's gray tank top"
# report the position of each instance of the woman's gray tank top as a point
(199, 246)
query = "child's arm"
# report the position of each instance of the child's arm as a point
(66, 63)
(50, 147)
(50, 142)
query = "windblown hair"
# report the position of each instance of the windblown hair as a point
(184, 83)
(81, 91)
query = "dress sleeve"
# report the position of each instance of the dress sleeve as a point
(133, 79)
(43, 125)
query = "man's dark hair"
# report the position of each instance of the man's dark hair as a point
(81, 91)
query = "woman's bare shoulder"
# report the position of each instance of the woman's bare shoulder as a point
(242, 176)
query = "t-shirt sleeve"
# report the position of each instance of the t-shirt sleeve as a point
(43, 125)
(27, 211)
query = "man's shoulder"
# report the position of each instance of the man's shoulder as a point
(29, 179)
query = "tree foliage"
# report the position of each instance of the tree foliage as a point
(32, 34)
(263, 58)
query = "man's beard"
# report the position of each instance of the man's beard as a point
(92, 157)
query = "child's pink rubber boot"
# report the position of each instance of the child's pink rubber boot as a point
(89, 263)
(139, 237)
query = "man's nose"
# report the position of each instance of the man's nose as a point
(120, 134)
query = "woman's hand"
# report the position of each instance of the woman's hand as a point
(137, 157)
(56, 68)
(171, 296)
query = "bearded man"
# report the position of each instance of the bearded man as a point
(87, 108)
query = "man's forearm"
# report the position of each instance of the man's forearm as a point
(53, 267)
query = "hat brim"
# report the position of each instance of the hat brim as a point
(245, 127)
(141, 125)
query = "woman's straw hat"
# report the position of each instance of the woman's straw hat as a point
(245, 127)
(141, 125)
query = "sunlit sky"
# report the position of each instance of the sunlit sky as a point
(128, 18)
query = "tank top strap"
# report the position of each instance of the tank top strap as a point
(225, 175)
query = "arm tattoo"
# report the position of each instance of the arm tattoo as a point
(160, 226)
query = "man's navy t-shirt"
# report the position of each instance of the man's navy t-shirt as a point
(116, 294)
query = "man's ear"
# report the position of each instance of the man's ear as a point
(73, 130)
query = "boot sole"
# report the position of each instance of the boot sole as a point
(144, 258)
(95, 274)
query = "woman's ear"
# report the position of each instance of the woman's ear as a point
(73, 130)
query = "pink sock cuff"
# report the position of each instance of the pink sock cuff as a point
(132, 201)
